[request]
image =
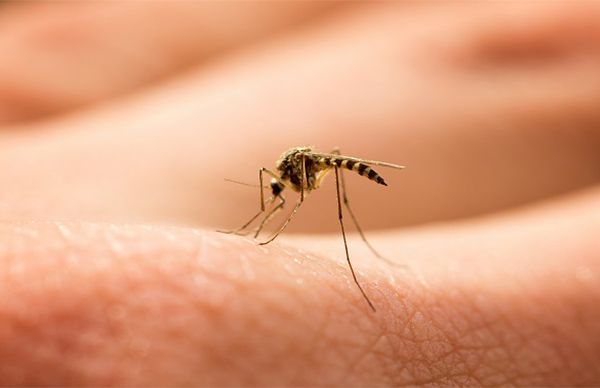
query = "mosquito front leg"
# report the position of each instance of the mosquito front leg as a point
(303, 180)
(340, 217)
(262, 186)
(263, 203)
(241, 228)
(293, 213)
(269, 216)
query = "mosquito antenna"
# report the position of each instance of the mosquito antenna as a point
(243, 183)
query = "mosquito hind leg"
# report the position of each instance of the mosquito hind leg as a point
(340, 217)
(336, 151)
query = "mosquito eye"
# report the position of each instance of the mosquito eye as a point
(276, 188)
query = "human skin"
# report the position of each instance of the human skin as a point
(507, 300)
(97, 290)
(108, 49)
(518, 118)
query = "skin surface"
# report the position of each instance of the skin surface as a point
(518, 119)
(112, 48)
(112, 187)
(127, 305)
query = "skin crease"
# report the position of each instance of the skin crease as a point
(489, 107)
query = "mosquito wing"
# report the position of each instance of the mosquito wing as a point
(365, 161)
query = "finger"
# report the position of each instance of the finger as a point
(489, 302)
(471, 144)
(62, 56)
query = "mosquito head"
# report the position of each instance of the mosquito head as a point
(276, 187)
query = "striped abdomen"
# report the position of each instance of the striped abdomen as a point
(349, 164)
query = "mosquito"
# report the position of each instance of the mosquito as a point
(303, 169)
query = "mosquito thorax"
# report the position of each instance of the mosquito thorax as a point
(289, 166)
(287, 158)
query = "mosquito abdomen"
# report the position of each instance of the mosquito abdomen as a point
(359, 167)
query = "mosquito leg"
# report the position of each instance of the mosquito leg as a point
(304, 179)
(262, 203)
(355, 221)
(262, 186)
(293, 213)
(339, 203)
(241, 228)
(347, 204)
(269, 216)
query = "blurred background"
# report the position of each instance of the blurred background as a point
(137, 111)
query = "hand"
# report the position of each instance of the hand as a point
(490, 108)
